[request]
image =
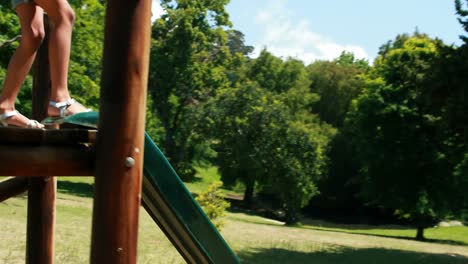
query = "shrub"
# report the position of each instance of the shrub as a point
(213, 203)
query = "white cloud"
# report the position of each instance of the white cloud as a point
(286, 37)
(156, 10)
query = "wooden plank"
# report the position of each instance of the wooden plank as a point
(121, 132)
(28, 136)
(42, 191)
(12, 187)
(21, 135)
(47, 160)
(70, 136)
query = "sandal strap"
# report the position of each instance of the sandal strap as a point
(33, 124)
(62, 106)
(8, 114)
(4, 120)
(4, 117)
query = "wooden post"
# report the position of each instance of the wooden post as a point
(42, 191)
(121, 132)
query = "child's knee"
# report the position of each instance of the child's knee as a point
(66, 16)
(69, 15)
(33, 37)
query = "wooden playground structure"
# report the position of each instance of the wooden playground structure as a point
(114, 157)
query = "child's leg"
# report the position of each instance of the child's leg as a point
(32, 31)
(62, 17)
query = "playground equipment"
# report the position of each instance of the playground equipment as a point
(114, 154)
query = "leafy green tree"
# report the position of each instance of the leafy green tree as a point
(234, 119)
(295, 162)
(236, 43)
(448, 101)
(276, 75)
(9, 29)
(86, 54)
(337, 83)
(265, 71)
(266, 139)
(188, 58)
(396, 134)
(10, 33)
(463, 14)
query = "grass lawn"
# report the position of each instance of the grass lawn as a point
(253, 238)
(206, 176)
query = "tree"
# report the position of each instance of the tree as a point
(463, 14)
(337, 83)
(9, 41)
(188, 56)
(295, 161)
(9, 29)
(396, 134)
(236, 43)
(86, 54)
(234, 120)
(265, 134)
(261, 140)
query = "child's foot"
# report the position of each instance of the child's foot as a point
(65, 108)
(14, 119)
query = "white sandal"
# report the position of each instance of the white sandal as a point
(62, 106)
(5, 116)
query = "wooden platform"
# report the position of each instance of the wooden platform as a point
(68, 136)
(47, 152)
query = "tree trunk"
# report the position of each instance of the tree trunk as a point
(249, 190)
(291, 216)
(170, 146)
(420, 234)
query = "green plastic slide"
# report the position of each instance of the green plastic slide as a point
(172, 206)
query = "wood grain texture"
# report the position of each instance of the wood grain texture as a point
(27, 136)
(121, 131)
(37, 161)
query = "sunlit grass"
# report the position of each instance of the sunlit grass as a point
(205, 177)
(255, 239)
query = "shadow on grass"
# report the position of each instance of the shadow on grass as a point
(439, 241)
(347, 256)
(331, 224)
(331, 227)
(75, 188)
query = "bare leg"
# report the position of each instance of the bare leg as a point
(62, 17)
(32, 30)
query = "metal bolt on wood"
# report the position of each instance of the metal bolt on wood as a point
(129, 162)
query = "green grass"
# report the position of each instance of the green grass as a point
(204, 177)
(255, 239)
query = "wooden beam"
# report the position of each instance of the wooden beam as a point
(121, 132)
(42, 191)
(27, 136)
(12, 187)
(32, 161)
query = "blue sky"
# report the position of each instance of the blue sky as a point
(321, 29)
